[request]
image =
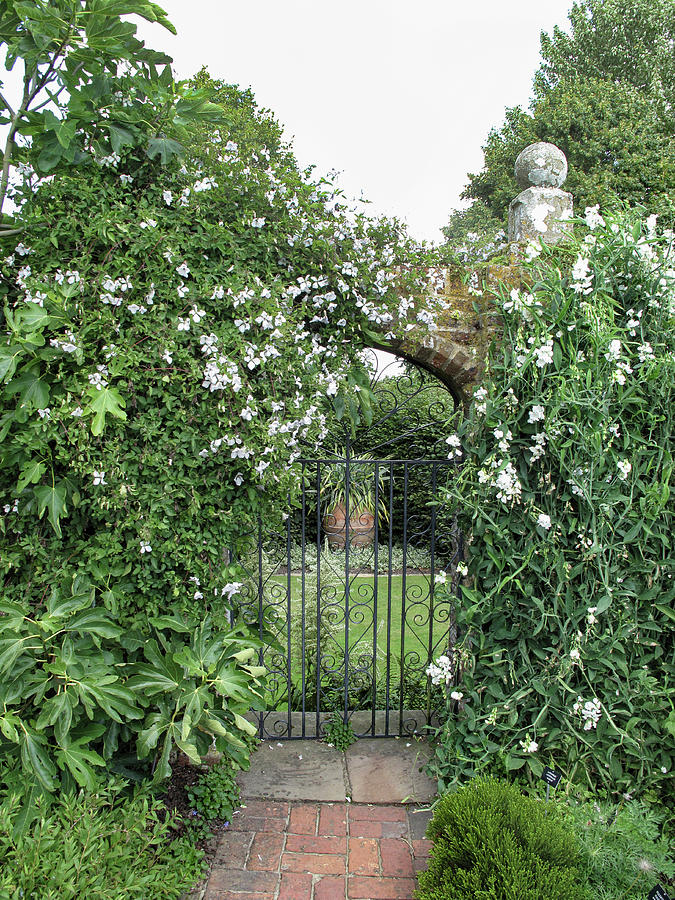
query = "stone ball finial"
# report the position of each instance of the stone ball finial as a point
(541, 165)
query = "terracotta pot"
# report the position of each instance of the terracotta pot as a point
(361, 528)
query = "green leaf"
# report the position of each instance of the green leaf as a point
(34, 391)
(149, 680)
(9, 357)
(95, 621)
(35, 759)
(119, 137)
(189, 750)
(53, 499)
(79, 759)
(171, 622)
(165, 148)
(31, 473)
(107, 400)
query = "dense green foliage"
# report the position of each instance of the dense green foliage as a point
(87, 84)
(167, 345)
(491, 841)
(338, 733)
(104, 845)
(623, 853)
(216, 795)
(604, 94)
(77, 689)
(566, 495)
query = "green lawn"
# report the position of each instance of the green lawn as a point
(366, 607)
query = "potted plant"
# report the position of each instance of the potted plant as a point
(361, 496)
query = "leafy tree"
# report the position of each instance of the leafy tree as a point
(614, 40)
(86, 84)
(604, 94)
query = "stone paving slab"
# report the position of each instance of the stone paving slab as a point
(373, 770)
(295, 770)
(388, 771)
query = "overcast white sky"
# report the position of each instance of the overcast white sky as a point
(398, 96)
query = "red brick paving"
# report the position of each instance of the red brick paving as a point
(319, 851)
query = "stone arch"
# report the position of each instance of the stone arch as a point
(455, 352)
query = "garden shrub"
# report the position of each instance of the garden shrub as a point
(492, 842)
(106, 845)
(566, 494)
(623, 853)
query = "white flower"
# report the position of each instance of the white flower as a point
(77, 412)
(544, 521)
(456, 695)
(529, 746)
(183, 324)
(592, 618)
(168, 197)
(145, 547)
(575, 654)
(167, 357)
(614, 350)
(593, 217)
(234, 587)
(536, 414)
(624, 467)
(45, 413)
(148, 223)
(455, 446)
(645, 352)
(183, 270)
(462, 570)
(197, 314)
(99, 477)
(544, 354)
(97, 380)
(126, 179)
(238, 479)
(651, 225)
(441, 577)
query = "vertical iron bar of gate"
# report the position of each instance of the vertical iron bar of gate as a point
(403, 586)
(318, 600)
(376, 578)
(289, 612)
(347, 541)
(261, 613)
(302, 589)
(391, 535)
(432, 583)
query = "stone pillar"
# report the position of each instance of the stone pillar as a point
(542, 212)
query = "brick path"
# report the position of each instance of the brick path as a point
(281, 850)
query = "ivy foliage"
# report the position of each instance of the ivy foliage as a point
(566, 494)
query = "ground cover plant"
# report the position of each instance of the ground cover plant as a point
(109, 845)
(624, 851)
(566, 495)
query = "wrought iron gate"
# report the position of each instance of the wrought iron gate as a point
(359, 591)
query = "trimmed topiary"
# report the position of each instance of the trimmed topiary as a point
(493, 843)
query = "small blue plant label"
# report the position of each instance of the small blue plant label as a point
(658, 893)
(551, 777)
